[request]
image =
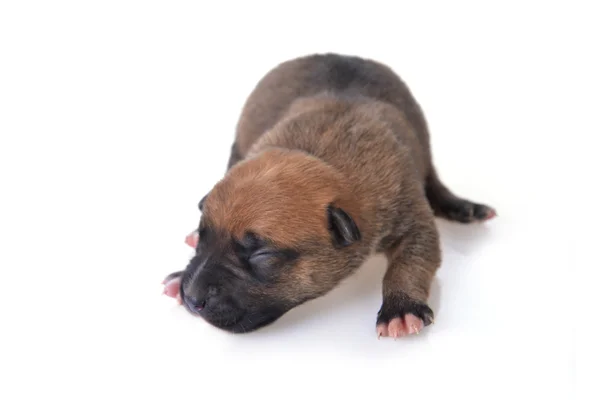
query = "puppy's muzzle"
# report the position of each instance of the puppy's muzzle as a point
(195, 305)
(203, 299)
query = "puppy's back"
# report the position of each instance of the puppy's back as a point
(343, 76)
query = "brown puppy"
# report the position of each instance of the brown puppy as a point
(331, 164)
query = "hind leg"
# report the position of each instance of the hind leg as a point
(446, 204)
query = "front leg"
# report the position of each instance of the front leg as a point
(413, 258)
(172, 282)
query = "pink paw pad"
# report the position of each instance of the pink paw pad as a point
(490, 214)
(400, 327)
(192, 239)
(172, 288)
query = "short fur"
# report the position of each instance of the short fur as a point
(331, 164)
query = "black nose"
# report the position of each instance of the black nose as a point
(194, 304)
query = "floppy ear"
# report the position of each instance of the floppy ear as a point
(342, 228)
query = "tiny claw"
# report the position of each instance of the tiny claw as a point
(491, 214)
(378, 335)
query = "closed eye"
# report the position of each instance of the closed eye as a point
(260, 254)
(269, 257)
(264, 257)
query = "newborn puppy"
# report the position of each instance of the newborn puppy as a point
(331, 164)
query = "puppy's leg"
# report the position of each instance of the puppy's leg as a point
(447, 205)
(413, 258)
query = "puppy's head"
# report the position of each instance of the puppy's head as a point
(278, 230)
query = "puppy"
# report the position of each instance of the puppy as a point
(331, 163)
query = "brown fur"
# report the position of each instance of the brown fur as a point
(331, 130)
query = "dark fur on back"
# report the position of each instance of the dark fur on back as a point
(345, 77)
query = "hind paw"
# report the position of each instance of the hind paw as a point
(465, 211)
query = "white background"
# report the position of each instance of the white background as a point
(117, 116)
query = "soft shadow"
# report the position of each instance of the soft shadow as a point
(435, 296)
(356, 292)
(365, 283)
(462, 237)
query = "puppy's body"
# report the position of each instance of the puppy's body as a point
(331, 163)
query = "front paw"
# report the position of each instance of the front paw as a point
(172, 283)
(192, 239)
(401, 315)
